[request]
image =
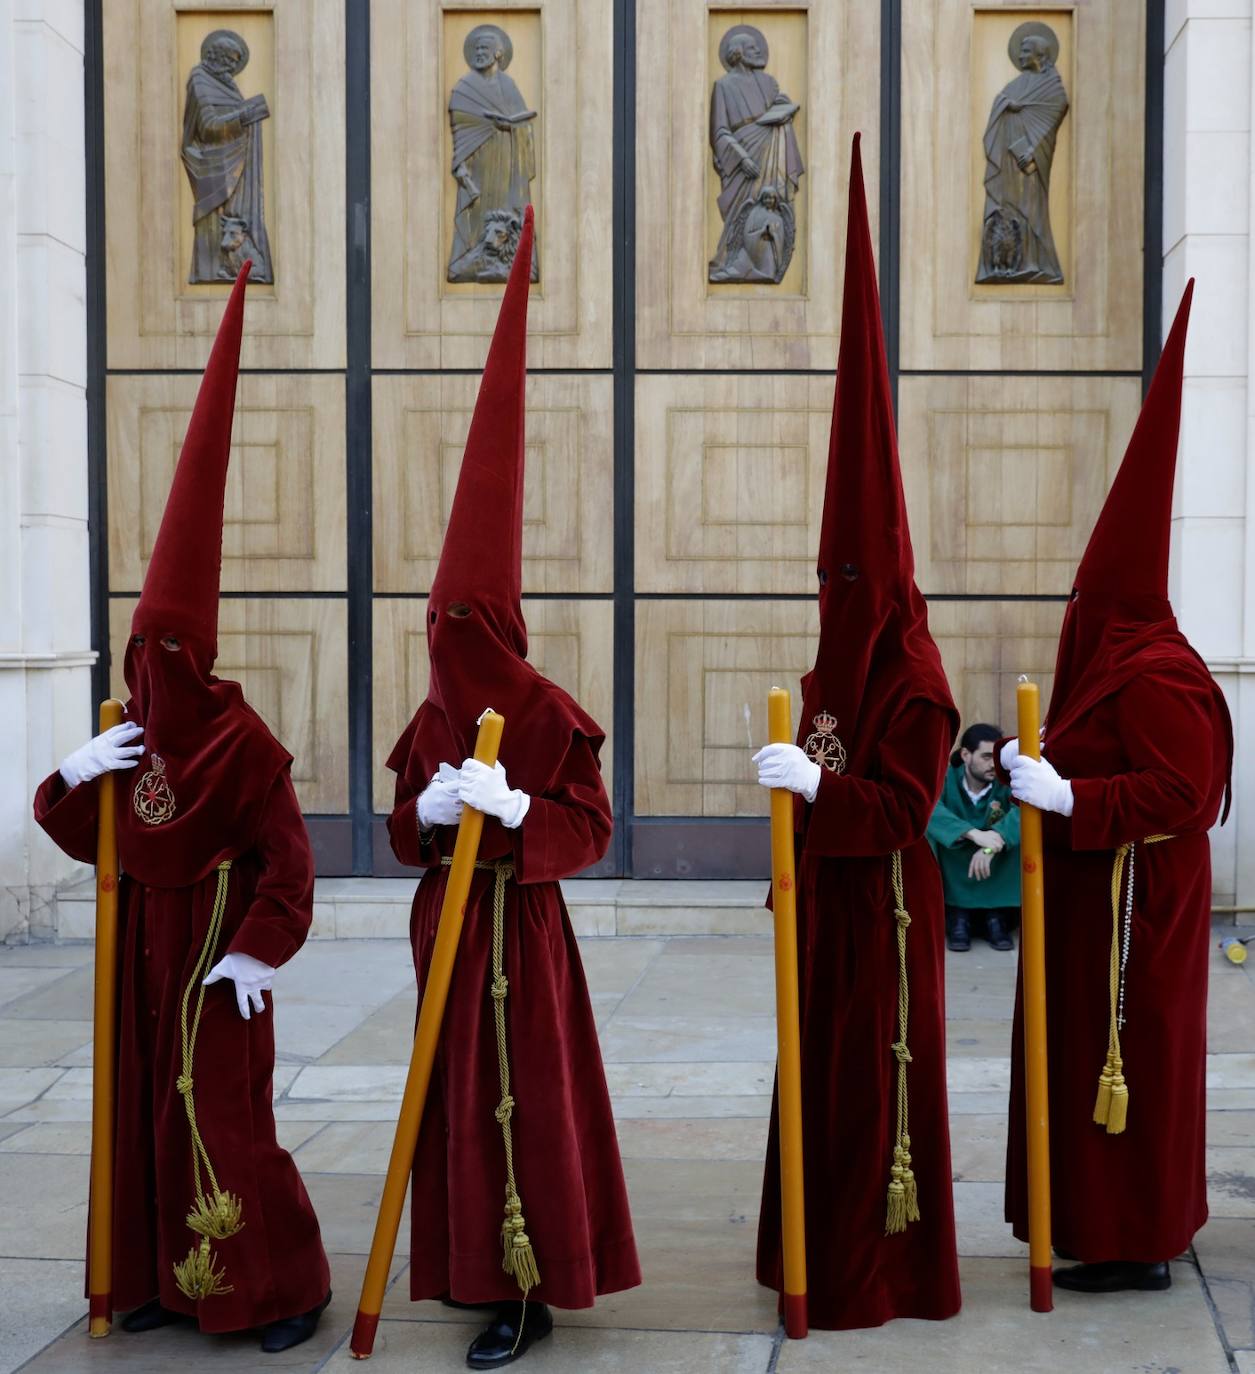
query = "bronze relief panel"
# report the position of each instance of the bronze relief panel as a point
(755, 150)
(1017, 244)
(493, 160)
(757, 110)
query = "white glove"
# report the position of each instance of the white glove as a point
(113, 749)
(1036, 782)
(785, 765)
(486, 790)
(441, 803)
(1011, 750)
(250, 976)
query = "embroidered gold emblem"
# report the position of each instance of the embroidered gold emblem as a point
(822, 745)
(152, 799)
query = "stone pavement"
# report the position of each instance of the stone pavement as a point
(688, 1034)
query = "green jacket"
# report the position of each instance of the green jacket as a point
(953, 816)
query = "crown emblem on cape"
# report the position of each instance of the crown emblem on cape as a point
(152, 799)
(822, 745)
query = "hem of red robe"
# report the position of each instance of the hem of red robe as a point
(260, 1314)
(850, 1317)
(1104, 1253)
(570, 1285)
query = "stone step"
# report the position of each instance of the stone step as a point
(374, 908)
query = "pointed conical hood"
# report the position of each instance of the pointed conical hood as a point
(481, 561)
(864, 521)
(1120, 610)
(180, 594)
(199, 795)
(875, 651)
(1127, 554)
(476, 634)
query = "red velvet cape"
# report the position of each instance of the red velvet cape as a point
(276, 1264)
(570, 1178)
(1151, 758)
(1140, 728)
(878, 672)
(566, 1153)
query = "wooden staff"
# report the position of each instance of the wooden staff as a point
(426, 1037)
(1033, 964)
(104, 1048)
(788, 1036)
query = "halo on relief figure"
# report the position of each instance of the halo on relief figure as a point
(235, 39)
(1032, 28)
(503, 42)
(739, 31)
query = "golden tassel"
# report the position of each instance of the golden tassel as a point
(199, 1276)
(895, 1218)
(218, 1215)
(518, 1258)
(1118, 1115)
(1102, 1106)
(903, 1199)
(220, 1219)
(910, 1191)
(1111, 1107)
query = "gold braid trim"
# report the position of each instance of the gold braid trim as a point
(217, 1215)
(1111, 1107)
(518, 1259)
(903, 1195)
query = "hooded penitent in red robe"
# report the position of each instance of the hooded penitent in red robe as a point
(878, 716)
(212, 789)
(566, 1157)
(1140, 728)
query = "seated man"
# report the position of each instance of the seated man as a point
(975, 834)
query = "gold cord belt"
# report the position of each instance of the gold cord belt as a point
(1111, 1108)
(217, 1215)
(903, 1194)
(518, 1259)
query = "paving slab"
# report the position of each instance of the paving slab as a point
(405, 1346)
(1125, 1333)
(25, 1042)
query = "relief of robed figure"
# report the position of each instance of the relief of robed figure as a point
(494, 161)
(1017, 244)
(756, 154)
(222, 155)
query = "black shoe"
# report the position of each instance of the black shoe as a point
(996, 934)
(500, 1343)
(290, 1331)
(1115, 1276)
(960, 937)
(150, 1317)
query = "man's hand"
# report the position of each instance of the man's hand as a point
(986, 839)
(980, 866)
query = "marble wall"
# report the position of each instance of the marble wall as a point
(45, 638)
(1208, 185)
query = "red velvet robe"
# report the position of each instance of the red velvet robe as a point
(276, 1264)
(566, 1153)
(848, 966)
(1150, 759)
